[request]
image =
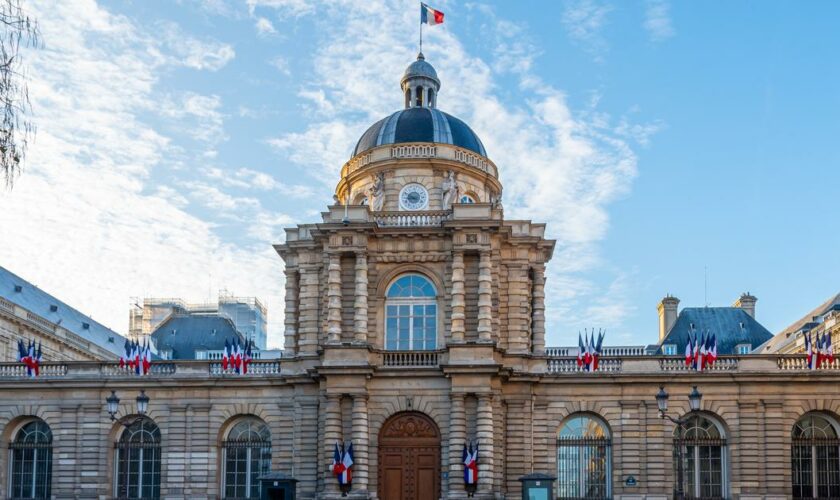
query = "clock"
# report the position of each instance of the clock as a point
(414, 197)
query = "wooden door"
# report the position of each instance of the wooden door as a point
(409, 458)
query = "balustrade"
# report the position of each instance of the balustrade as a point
(410, 359)
(412, 219)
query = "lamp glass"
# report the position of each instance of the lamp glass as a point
(142, 403)
(694, 399)
(662, 399)
(113, 403)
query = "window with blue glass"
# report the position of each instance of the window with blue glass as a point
(411, 314)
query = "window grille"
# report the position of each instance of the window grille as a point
(815, 458)
(138, 449)
(704, 459)
(247, 456)
(31, 462)
(584, 454)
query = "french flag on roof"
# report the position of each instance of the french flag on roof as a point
(430, 16)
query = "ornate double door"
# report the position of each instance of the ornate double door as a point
(409, 458)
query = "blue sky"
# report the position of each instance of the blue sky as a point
(657, 139)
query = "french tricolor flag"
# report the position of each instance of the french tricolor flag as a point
(430, 16)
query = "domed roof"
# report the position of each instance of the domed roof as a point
(420, 68)
(420, 124)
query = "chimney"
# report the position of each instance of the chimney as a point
(747, 303)
(667, 314)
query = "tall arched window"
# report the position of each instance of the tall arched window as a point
(246, 456)
(411, 314)
(31, 461)
(815, 457)
(137, 463)
(704, 457)
(584, 458)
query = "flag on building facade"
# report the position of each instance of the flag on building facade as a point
(246, 357)
(689, 351)
(581, 348)
(469, 458)
(226, 356)
(430, 16)
(597, 354)
(342, 463)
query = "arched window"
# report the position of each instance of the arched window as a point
(419, 96)
(137, 464)
(704, 457)
(411, 314)
(407, 98)
(815, 457)
(31, 461)
(465, 198)
(246, 456)
(584, 458)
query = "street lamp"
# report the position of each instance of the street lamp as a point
(112, 404)
(694, 399)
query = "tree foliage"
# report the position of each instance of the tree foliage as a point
(17, 30)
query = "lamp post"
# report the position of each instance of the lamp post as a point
(112, 403)
(694, 398)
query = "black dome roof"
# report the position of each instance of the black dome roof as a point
(420, 124)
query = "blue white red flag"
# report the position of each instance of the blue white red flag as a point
(346, 476)
(597, 355)
(470, 461)
(430, 16)
(579, 358)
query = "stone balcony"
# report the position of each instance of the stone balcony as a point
(79, 370)
(750, 363)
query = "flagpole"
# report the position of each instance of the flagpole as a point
(421, 35)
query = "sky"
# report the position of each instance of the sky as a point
(684, 148)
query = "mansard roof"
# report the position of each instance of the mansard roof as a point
(184, 334)
(731, 325)
(18, 291)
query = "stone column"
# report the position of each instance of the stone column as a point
(332, 435)
(538, 324)
(484, 433)
(334, 299)
(291, 317)
(458, 301)
(457, 437)
(413, 97)
(485, 302)
(308, 316)
(361, 436)
(360, 319)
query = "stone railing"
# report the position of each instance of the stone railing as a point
(570, 365)
(158, 368)
(412, 219)
(410, 359)
(267, 367)
(46, 370)
(607, 351)
(419, 150)
(46, 325)
(677, 364)
(799, 362)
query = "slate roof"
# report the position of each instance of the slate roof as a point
(731, 325)
(807, 322)
(420, 125)
(41, 303)
(194, 332)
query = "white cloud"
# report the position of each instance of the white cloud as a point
(264, 27)
(281, 64)
(193, 53)
(658, 20)
(294, 8)
(203, 111)
(85, 221)
(557, 165)
(584, 21)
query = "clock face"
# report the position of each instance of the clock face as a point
(414, 197)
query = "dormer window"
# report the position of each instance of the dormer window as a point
(742, 349)
(669, 349)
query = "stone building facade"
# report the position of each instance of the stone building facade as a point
(415, 323)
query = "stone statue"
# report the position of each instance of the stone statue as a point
(496, 201)
(450, 190)
(336, 200)
(376, 192)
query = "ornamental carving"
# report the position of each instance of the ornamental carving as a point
(410, 426)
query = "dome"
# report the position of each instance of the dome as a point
(420, 124)
(420, 68)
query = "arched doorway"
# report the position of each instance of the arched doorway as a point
(409, 458)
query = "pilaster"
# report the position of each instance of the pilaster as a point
(334, 299)
(361, 433)
(291, 314)
(458, 300)
(457, 438)
(308, 314)
(332, 435)
(485, 303)
(538, 312)
(484, 433)
(360, 305)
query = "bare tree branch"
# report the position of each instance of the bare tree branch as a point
(16, 128)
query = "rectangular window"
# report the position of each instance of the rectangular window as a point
(743, 348)
(411, 327)
(669, 349)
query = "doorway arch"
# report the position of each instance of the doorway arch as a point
(409, 458)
